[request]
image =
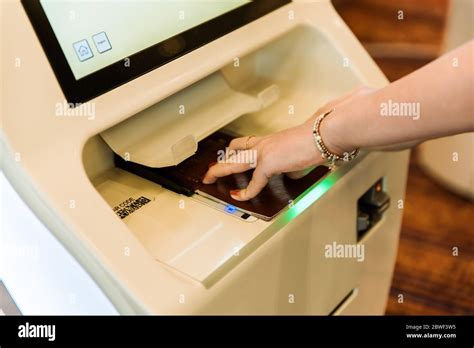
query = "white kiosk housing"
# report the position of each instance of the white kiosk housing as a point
(175, 254)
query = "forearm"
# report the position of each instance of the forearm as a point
(434, 101)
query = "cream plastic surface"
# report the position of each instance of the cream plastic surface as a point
(196, 259)
(167, 133)
(189, 230)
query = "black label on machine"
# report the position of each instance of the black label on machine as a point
(129, 206)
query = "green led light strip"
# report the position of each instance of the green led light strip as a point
(310, 196)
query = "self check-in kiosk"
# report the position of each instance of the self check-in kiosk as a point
(92, 87)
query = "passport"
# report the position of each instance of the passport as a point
(186, 178)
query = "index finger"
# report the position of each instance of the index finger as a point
(258, 182)
(219, 170)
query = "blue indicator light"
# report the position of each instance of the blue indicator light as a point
(230, 208)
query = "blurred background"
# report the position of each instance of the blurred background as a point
(434, 273)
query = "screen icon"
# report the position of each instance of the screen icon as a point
(102, 42)
(83, 50)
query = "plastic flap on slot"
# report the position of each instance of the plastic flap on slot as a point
(269, 95)
(184, 147)
(168, 132)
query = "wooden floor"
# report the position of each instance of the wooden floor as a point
(429, 278)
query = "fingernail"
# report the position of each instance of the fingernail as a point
(204, 179)
(235, 193)
(211, 164)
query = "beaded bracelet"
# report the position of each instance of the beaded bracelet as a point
(325, 153)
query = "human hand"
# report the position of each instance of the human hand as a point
(291, 151)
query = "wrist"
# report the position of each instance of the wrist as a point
(332, 134)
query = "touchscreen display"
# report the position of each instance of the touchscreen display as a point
(96, 33)
(95, 46)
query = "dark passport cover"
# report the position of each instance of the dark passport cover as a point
(186, 178)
